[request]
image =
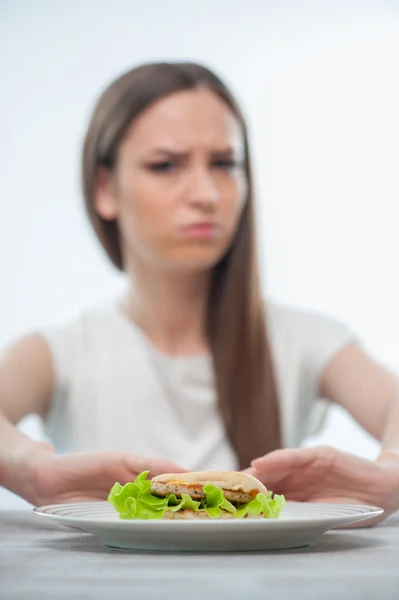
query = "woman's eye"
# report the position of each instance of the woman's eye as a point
(162, 167)
(227, 165)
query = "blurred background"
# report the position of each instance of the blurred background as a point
(319, 83)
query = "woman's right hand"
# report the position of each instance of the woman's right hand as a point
(86, 476)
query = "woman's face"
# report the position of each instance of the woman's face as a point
(179, 185)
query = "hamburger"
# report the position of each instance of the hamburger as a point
(195, 495)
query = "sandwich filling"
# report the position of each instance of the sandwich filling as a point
(207, 494)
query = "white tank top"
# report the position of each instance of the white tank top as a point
(115, 390)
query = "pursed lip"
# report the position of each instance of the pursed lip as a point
(201, 229)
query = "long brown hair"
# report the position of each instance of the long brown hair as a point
(236, 325)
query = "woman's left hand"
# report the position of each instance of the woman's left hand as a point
(325, 474)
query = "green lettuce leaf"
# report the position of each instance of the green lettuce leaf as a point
(271, 506)
(135, 501)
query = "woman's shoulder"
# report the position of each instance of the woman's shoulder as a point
(305, 328)
(281, 315)
(81, 323)
(90, 328)
(89, 337)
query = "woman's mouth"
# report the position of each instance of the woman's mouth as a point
(201, 230)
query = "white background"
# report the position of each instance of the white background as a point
(319, 82)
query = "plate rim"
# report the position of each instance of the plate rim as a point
(371, 512)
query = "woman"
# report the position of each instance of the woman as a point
(190, 369)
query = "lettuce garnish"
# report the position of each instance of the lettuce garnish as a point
(135, 501)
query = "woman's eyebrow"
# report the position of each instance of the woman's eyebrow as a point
(228, 151)
(170, 153)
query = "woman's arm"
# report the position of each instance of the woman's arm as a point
(26, 384)
(26, 378)
(32, 469)
(367, 390)
(323, 474)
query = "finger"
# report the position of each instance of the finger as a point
(280, 466)
(277, 460)
(154, 465)
(162, 467)
(268, 481)
(249, 470)
(294, 458)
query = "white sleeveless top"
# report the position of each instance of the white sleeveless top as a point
(114, 390)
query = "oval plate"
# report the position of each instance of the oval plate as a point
(299, 525)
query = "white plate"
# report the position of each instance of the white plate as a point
(300, 524)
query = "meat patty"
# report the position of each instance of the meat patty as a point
(196, 491)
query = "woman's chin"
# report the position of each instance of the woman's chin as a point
(192, 265)
(193, 260)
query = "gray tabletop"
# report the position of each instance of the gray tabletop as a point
(42, 560)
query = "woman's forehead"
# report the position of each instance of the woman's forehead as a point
(188, 119)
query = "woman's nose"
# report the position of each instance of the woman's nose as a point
(202, 190)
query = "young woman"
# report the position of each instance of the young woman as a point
(192, 368)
